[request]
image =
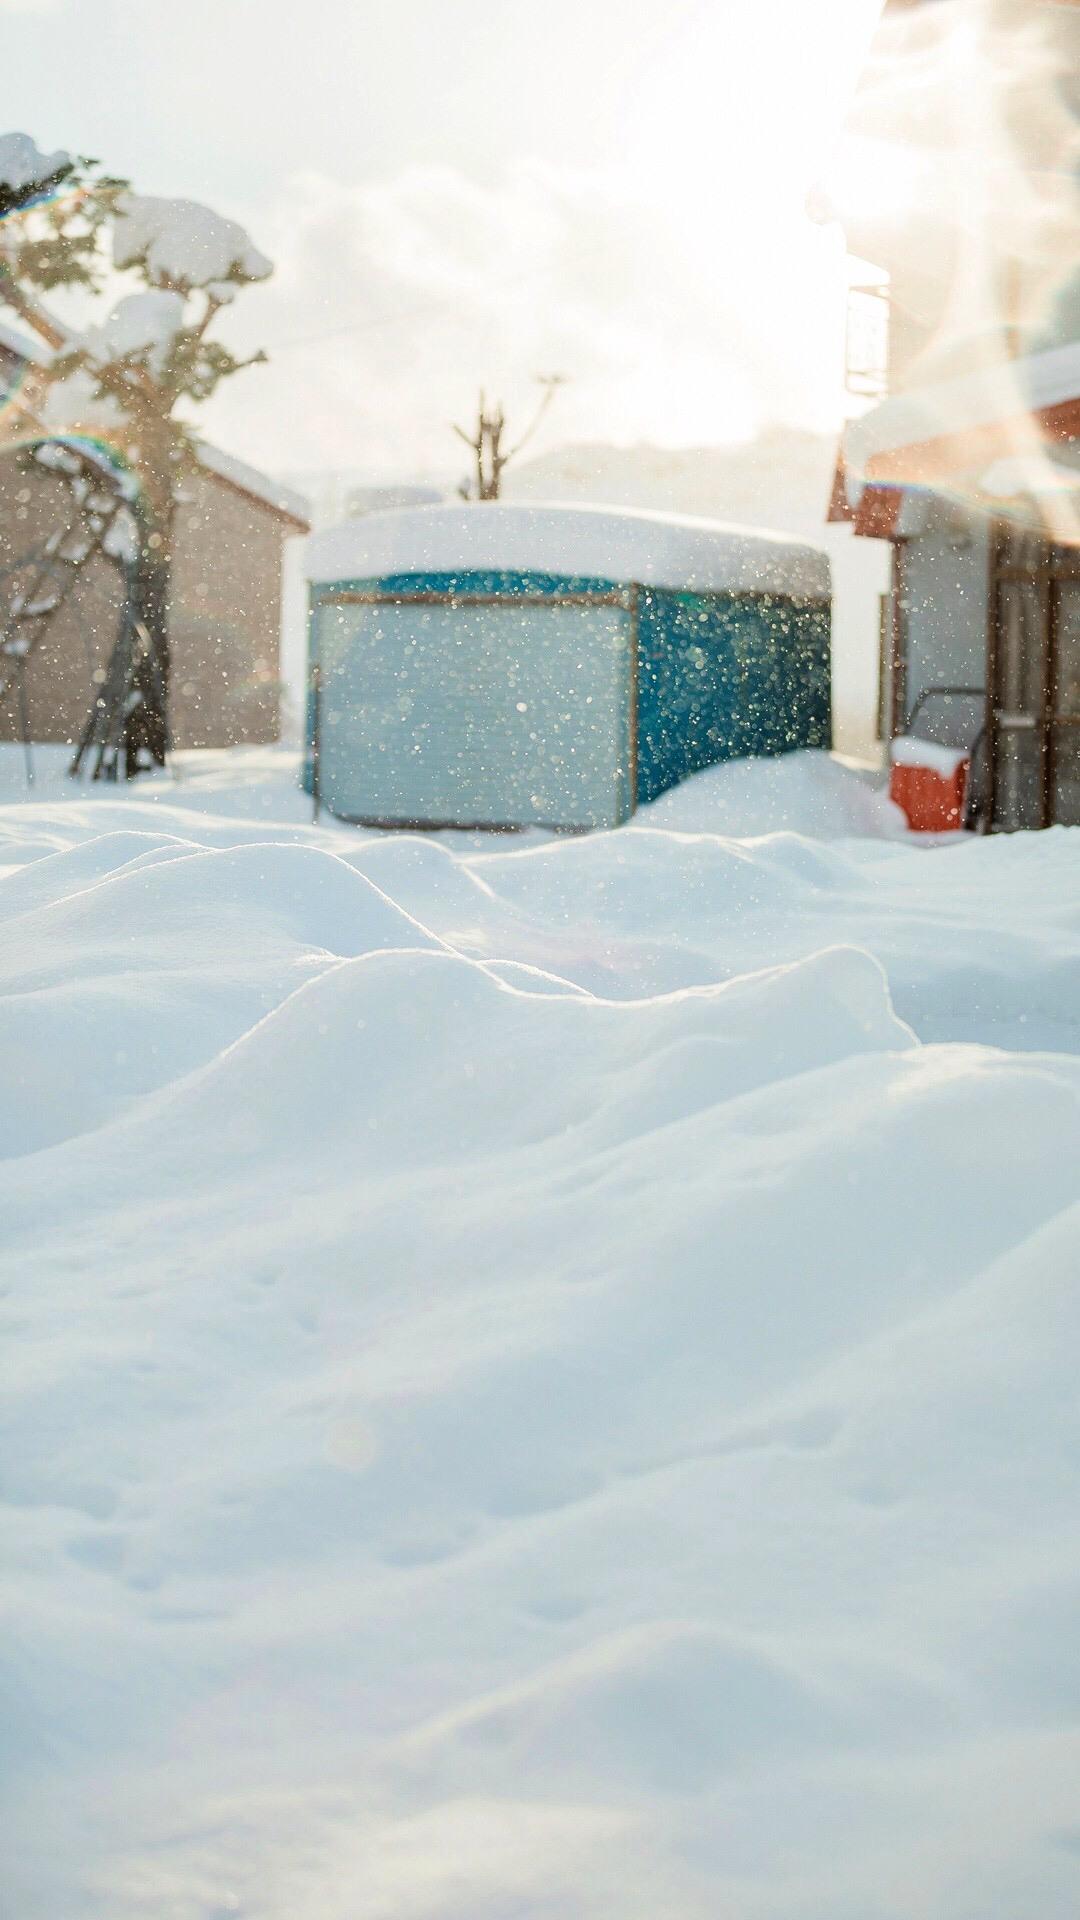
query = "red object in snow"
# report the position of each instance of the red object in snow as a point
(931, 797)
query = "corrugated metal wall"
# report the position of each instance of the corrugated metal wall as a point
(728, 675)
(717, 676)
(495, 708)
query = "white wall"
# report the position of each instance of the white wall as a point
(861, 574)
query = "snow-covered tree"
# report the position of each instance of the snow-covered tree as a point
(135, 372)
(52, 211)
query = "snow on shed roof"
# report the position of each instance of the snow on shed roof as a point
(599, 543)
(1034, 383)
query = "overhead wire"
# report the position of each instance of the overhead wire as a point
(383, 321)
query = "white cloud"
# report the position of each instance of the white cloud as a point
(680, 326)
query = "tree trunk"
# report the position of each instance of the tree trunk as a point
(146, 718)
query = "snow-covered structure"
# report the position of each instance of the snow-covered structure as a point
(497, 665)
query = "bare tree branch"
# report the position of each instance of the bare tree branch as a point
(486, 443)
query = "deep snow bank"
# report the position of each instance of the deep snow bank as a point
(808, 792)
(528, 1387)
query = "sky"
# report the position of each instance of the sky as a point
(466, 194)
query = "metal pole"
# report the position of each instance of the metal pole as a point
(24, 722)
(993, 653)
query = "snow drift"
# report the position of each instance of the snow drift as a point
(537, 1379)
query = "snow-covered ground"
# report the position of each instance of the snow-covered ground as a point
(539, 1374)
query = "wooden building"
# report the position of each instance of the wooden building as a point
(225, 615)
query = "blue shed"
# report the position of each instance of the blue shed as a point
(497, 665)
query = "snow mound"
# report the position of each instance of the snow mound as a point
(804, 792)
(185, 905)
(217, 937)
(668, 1707)
(414, 1057)
(524, 1361)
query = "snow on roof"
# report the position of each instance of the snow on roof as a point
(605, 543)
(249, 480)
(182, 244)
(968, 400)
(35, 352)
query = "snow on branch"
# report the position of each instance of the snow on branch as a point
(142, 324)
(181, 245)
(23, 166)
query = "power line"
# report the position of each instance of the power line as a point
(395, 320)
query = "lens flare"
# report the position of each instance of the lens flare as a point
(975, 215)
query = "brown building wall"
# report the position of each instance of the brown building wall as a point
(59, 677)
(225, 616)
(225, 621)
